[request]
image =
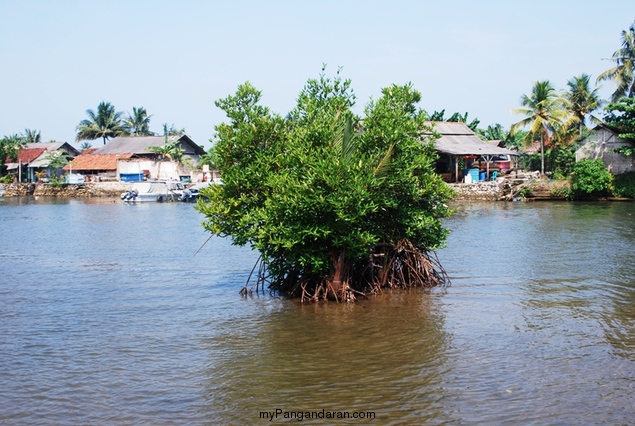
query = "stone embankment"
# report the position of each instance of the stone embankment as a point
(16, 189)
(90, 189)
(481, 191)
(511, 189)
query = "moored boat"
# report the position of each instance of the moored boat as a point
(157, 191)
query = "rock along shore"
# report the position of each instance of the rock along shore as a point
(481, 191)
(90, 189)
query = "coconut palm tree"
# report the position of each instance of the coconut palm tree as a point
(32, 136)
(138, 123)
(172, 131)
(583, 100)
(105, 124)
(623, 73)
(544, 112)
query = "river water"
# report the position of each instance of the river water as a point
(109, 316)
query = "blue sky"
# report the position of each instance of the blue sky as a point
(175, 58)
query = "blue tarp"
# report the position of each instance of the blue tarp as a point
(131, 177)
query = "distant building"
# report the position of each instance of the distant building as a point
(131, 158)
(36, 158)
(459, 149)
(602, 143)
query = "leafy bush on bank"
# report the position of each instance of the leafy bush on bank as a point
(591, 178)
(624, 185)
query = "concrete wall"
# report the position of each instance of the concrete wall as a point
(158, 169)
(601, 145)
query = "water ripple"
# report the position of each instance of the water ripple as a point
(108, 317)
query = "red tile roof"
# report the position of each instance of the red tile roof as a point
(96, 162)
(26, 155)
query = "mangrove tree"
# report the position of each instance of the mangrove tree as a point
(337, 205)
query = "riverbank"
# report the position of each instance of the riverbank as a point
(478, 191)
(519, 190)
(499, 190)
(86, 190)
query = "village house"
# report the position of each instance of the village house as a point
(602, 143)
(463, 154)
(132, 158)
(36, 159)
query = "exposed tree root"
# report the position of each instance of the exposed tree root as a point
(388, 266)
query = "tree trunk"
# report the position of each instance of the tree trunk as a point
(338, 285)
(542, 154)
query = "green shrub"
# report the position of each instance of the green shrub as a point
(561, 162)
(56, 182)
(624, 185)
(6, 179)
(590, 178)
(562, 192)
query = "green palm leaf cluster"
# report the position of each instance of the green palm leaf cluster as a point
(32, 136)
(545, 113)
(170, 150)
(138, 123)
(106, 123)
(623, 73)
(583, 100)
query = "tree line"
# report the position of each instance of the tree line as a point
(555, 119)
(558, 120)
(106, 123)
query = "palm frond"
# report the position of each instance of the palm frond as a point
(384, 166)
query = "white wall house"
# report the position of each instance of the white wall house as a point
(132, 158)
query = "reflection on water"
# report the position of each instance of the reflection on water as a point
(106, 316)
(386, 356)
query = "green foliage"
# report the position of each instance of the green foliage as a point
(625, 150)
(561, 161)
(624, 185)
(562, 192)
(106, 123)
(582, 99)
(6, 179)
(512, 140)
(457, 117)
(138, 123)
(318, 185)
(57, 182)
(621, 117)
(523, 191)
(56, 159)
(32, 136)
(9, 148)
(622, 74)
(590, 178)
(210, 158)
(544, 112)
(171, 150)
(171, 130)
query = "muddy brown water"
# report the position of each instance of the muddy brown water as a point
(108, 317)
